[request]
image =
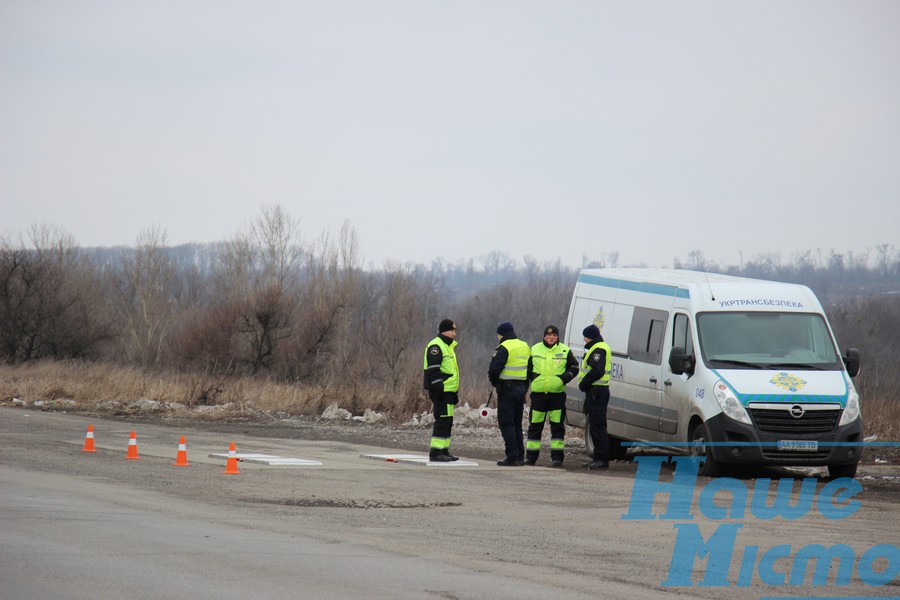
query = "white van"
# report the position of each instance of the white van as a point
(736, 370)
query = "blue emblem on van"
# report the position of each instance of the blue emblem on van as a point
(788, 382)
(599, 319)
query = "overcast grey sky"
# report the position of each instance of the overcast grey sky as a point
(453, 129)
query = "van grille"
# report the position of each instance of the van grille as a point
(781, 421)
(797, 458)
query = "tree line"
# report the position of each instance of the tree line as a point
(271, 303)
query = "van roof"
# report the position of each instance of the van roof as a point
(669, 276)
(706, 291)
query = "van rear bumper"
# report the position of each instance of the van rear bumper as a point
(750, 445)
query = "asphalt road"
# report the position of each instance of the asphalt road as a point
(79, 525)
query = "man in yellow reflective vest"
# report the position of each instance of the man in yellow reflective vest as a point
(551, 366)
(508, 373)
(441, 379)
(593, 380)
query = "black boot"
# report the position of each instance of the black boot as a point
(556, 459)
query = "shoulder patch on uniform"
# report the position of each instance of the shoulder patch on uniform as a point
(434, 350)
(595, 357)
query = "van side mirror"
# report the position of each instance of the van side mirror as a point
(851, 361)
(680, 362)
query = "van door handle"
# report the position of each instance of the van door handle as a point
(667, 382)
(653, 380)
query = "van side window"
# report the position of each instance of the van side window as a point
(681, 334)
(648, 329)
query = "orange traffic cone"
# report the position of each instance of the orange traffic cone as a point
(132, 448)
(231, 467)
(181, 458)
(89, 440)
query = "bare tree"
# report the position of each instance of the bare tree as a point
(145, 302)
(398, 301)
(325, 345)
(882, 262)
(277, 242)
(254, 304)
(264, 322)
(835, 263)
(497, 263)
(587, 263)
(50, 299)
(613, 259)
(697, 261)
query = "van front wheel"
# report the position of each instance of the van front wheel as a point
(710, 467)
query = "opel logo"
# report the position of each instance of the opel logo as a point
(797, 411)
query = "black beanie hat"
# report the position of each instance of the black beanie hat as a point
(446, 325)
(505, 329)
(551, 329)
(591, 332)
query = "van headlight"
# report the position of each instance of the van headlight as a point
(731, 406)
(851, 411)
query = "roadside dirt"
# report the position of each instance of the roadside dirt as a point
(477, 438)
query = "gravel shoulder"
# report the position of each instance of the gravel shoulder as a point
(474, 437)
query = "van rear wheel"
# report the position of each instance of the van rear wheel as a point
(588, 441)
(710, 467)
(616, 450)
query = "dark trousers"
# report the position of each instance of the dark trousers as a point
(596, 400)
(443, 403)
(510, 407)
(544, 407)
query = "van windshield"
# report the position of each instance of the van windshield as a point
(766, 340)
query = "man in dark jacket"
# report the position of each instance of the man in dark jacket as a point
(508, 373)
(593, 380)
(441, 379)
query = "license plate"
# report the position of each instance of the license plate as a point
(798, 445)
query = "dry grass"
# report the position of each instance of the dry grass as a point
(98, 386)
(880, 402)
(95, 386)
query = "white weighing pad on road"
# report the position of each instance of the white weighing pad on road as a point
(269, 459)
(416, 459)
